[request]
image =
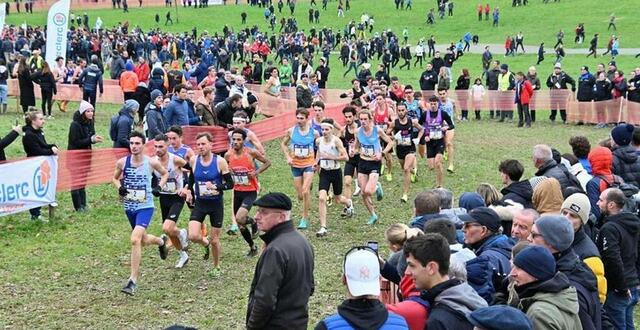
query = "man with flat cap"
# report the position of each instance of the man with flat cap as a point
(283, 279)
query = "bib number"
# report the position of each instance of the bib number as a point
(435, 133)
(136, 195)
(300, 151)
(205, 191)
(403, 139)
(368, 151)
(170, 187)
(241, 179)
(328, 164)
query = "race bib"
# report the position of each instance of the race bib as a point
(205, 191)
(382, 126)
(241, 178)
(170, 187)
(301, 151)
(328, 164)
(436, 133)
(368, 151)
(136, 195)
(403, 139)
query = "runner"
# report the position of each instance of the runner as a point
(449, 106)
(435, 122)
(369, 147)
(210, 177)
(176, 147)
(241, 161)
(330, 152)
(132, 177)
(383, 114)
(348, 136)
(172, 197)
(298, 148)
(402, 129)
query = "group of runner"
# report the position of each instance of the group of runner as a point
(179, 175)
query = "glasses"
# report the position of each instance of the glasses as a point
(535, 235)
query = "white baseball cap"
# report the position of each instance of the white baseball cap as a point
(362, 271)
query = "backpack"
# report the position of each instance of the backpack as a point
(113, 127)
(632, 202)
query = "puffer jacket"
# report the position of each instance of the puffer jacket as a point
(552, 304)
(581, 278)
(450, 301)
(551, 169)
(519, 192)
(155, 121)
(81, 132)
(493, 256)
(601, 160)
(587, 251)
(626, 164)
(547, 197)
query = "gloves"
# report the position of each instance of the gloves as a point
(156, 191)
(122, 191)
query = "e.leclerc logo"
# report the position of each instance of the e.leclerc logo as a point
(41, 177)
(59, 19)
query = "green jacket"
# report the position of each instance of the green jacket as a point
(285, 74)
(551, 305)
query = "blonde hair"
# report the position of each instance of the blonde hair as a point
(398, 233)
(489, 193)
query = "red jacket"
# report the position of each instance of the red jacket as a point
(142, 71)
(412, 308)
(526, 93)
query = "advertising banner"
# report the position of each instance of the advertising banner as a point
(57, 22)
(28, 183)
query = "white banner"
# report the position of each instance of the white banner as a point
(3, 15)
(27, 184)
(57, 22)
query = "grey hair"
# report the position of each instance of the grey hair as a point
(530, 213)
(458, 270)
(446, 198)
(542, 152)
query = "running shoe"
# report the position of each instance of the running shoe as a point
(233, 229)
(207, 251)
(389, 177)
(215, 272)
(445, 156)
(357, 191)
(322, 232)
(184, 258)
(130, 288)
(372, 219)
(184, 238)
(347, 211)
(253, 251)
(404, 198)
(302, 224)
(163, 248)
(450, 169)
(379, 191)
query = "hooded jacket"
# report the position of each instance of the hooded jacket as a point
(551, 169)
(519, 192)
(585, 87)
(80, 132)
(493, 257)
(450, 301)
(601, 160)
(205, 111)
(91, 79)
(34, 142)
(618, 245)
(552, 304)
(124, 127)
(128, 80)
(587, 251)
(584, 281)
(176, 112)
(626, 164)
(117, 67)
(547, 197)
(412, 308)
(362, 314)
(155, 121)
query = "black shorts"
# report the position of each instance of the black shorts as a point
(243, 199)
(331, 178)
(403, 151)
(213, 208)
(350, 169)
(369, 167)
(171, 206)
(435, 147)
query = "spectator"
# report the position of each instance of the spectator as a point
(547, 196)
(482, 235)
(515, 190)
(153, 115)
(222, 87)
(546, 296)
(8, 139)
(48, 89)
(143, 96)
(225, 110)
(618, 245)
(90, 80)
(177, 112)
(626, 162)
(303, 92)
(580, 147)
(450, 299)
(543, 161)
(204, 110)
(362, 308)
(470, 201)
(446, 207)
(555, 233)
(499, 317)
(35, 144)
(427, 207)
(25, 82)
(117, 65)
(128, 81)
(142, 70)
(575, 167)
(522, 223)
(82, 135)
(122, 124)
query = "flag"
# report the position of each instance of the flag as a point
(57, 22)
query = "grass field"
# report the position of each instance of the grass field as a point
(68, 273)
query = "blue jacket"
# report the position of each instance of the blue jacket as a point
(194, 120)
(493, 257)
(363, 314)
(200, 72)
(124, 127)
(91, 79)
(420, 221)
(176, 113)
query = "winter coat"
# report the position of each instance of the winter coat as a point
(204, 110)
(618, 245)
(123, 129)
(221, 90)
(46, 81)
(25, 82)
(80, 133)
(561, 81)
(586, 249)
(35, 144)
(547, 197)
(552, 304)
(176, 113)
(519, 192)
(626, 164)
(362, 314)
(128, 81)
(551, 169)
(143, 96)
(583, 279)
(493, 256)
(155, 121)
(450, 302)
(585, 87)
(303, 96)
(428, 80)
(526, 92)
(91, 79)
(602, 90)
(492, 79)
(412, 308)
(282, 281)
(117, 67)
(601, 160)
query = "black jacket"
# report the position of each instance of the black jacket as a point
(585, 88)
(561, 81)
(450, 302)
(551, 169)
(224, 112)
(602, 90)
(626, 164)
(25, 82)
(282, 282)
(303, 96)
(618, 245)
(428, 80)
(583, 246)
(5, 142)
(361, 314)
(80, 133)
(492, 79)
(519, 192)
(437, 63)
(34, 143)
(583, 279)
(46, 81)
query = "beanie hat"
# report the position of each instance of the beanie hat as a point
(470, 201)
(622, 134)
(578, 204)
(499, 317)
(155, 94)
(556, 230)
(131, 105)
(537, 262)
(84, 106)
(534, 181)
(504, 67)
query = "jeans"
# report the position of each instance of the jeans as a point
(619, 308)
